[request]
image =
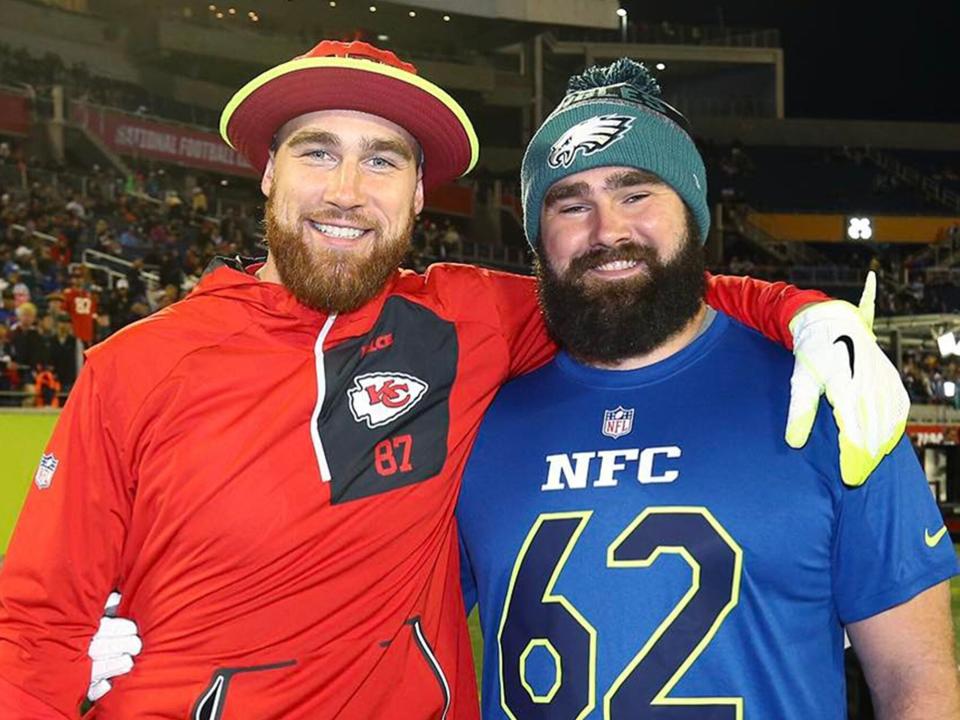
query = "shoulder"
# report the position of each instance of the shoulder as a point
(468, 292)
(150, 348)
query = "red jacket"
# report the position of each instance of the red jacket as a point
(273, 491)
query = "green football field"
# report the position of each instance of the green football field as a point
(477, 640)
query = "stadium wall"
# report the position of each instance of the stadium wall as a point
(25, 433)
(830, 133)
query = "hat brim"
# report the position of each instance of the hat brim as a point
(445, 133)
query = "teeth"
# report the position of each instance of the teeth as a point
(338, 232)
(617, 265)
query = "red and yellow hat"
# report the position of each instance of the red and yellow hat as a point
(353, 76)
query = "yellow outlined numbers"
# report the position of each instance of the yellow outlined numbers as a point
(642, 689)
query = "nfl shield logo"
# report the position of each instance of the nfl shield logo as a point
(48, 466)
(617, 422)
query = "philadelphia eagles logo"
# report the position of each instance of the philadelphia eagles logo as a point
(590, 136)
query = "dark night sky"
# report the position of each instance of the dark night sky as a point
(884, 60)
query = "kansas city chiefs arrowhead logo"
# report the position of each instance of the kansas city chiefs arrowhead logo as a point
(380, 398)
(588, 137)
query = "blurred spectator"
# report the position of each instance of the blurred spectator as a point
(63, 352)
(76, 208)
(135, 279)
(198, 201)
(46, 388)
(170, 272)
(171, 293)
(927, 377)
(29, 348)
(450, 241)
(118, 305)
(8, 313)
(81, 306)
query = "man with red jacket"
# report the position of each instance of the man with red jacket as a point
(268, 469)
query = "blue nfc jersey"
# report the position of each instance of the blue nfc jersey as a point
(644, 544)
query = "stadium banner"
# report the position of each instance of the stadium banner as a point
(127, 134)
(15, 115)
(923, 434)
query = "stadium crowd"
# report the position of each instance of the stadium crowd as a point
(154, 240)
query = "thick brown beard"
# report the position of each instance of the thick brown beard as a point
(328, 280)
(607, 322)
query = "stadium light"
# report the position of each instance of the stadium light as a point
(412, 13)
(232, 11)
(383, 38)
(446, 18)
(333, 3)
(859, 228)
(623, 24)
(947, 342)
(949, 388)
(212, 8)
(373, 8)
(661, 66)
(219, 16)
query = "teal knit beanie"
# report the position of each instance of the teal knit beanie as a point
(613, 115)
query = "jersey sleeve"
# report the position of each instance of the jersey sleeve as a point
(765, 306)
(521, 322)
(64, 556)
(891, 543)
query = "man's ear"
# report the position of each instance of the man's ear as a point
(418, 194)
(266, 182)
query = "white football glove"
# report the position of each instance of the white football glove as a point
(837, 354)
(112, 649)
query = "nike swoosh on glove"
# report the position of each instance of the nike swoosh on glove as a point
(112, 649)
(837, 354)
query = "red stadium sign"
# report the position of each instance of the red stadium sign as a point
(127, 134)
(922, 434)
(14, 113)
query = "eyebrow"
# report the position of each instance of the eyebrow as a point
(564, 192)
(627, 178)
(313, 137)
(380, 145)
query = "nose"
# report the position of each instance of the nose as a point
(344, 189)
(611, 227)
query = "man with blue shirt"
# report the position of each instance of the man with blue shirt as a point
(640, 540)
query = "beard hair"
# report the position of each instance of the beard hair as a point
(609, 321)
(329, 280)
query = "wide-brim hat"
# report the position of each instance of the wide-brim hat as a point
(353, 76)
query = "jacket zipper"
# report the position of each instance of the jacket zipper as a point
(321, 395)
(432, 661)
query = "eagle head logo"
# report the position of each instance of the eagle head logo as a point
(588, 137)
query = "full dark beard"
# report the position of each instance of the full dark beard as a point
(328, 280)
(609, 321)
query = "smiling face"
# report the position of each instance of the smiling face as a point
(620, 267)
(343, 190)
(602, 223)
